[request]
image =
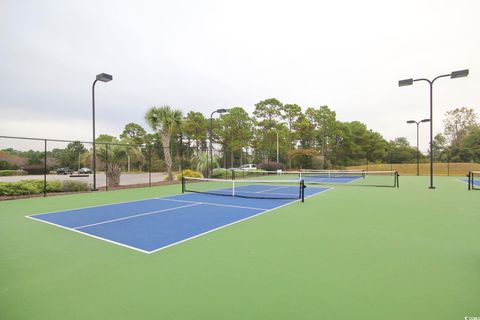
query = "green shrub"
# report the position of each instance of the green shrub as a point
(4, 165)
(53, 186)
(31, 187)
(74, 186)
(5, 173)
(188, 173)
(24, 187)
(221, 173)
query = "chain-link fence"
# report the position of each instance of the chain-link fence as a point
(37, 166)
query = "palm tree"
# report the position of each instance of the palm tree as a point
(117, 157)
(200, 162)
(164, 119)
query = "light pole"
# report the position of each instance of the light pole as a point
(104, 78)
(276, 131)
(408, 82)
(418, 154)
(210, 140)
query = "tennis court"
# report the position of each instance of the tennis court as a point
(329, 177)
(154, 224)
(349, 253)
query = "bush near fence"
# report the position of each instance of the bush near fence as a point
(188, 173)
(410, 169)
(32, 187)
(7, 173)
(221, 173)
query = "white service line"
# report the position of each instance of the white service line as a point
(215, 204)
(273, 189)
(136, 216)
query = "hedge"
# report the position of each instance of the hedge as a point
(5, 173)
(32, 187)
(188, 173)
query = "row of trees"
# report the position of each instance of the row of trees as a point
(313, 138)
(310, 138)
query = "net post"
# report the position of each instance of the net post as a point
(470, 178)
(183, 184)
(302, 190)
(397, 179)
(233, 188)
(472, 184)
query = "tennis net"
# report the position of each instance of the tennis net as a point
(473, 180)
(258, 189)
(353, 178)
(332, 177)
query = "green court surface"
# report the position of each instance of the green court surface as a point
(350, 253)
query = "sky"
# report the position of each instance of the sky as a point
(203, 55)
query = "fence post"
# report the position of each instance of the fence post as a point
(448, 165)
(45, 171)
(106, 167)
(149, 165)
(181, 154)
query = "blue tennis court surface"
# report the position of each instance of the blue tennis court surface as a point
(475, 182)
(154, 224)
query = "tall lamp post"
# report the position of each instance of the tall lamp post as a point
(408, 82)
(104, 78)
(276, 131)
(210, 140)
(418, 154)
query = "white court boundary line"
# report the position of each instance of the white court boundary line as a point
(161, 198)
(88, 234)
(214, 204)
(276, 189)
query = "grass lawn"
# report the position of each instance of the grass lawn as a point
(350, 253)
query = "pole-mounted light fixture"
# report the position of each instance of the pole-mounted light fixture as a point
(408, 82)
(221, 110)
(103, 77)
(418, 153)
